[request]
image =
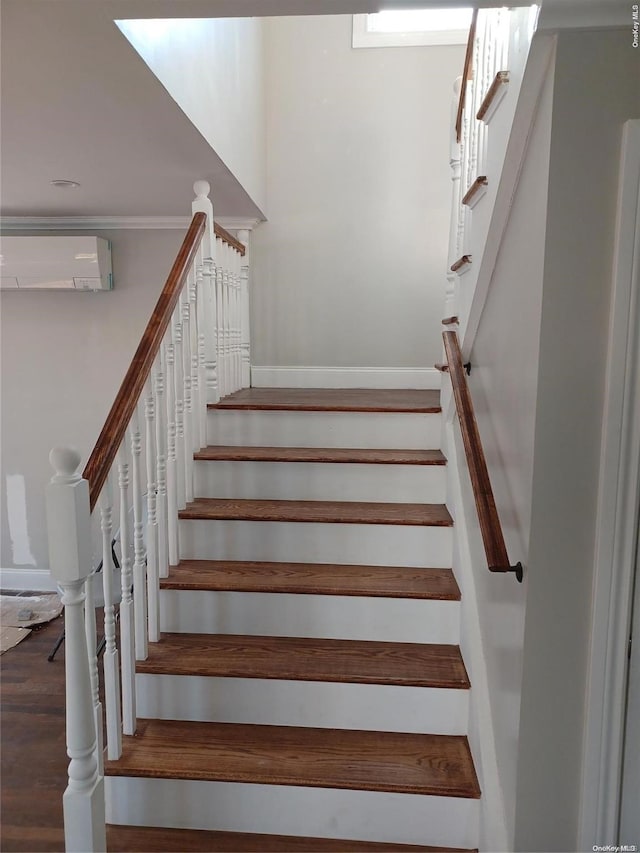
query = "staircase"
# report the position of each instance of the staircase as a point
(287, 673)
(308, 686)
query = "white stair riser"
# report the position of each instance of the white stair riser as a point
(314, 542)
(328, 481)
(303, 703)
(333, 617)
(324, 429)
(281, 809)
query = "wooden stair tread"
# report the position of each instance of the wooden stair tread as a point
(142, 839)
(313, 579)
(332, 400)
(320, 454)
(438, 765)
(307, 659)
(334, 512)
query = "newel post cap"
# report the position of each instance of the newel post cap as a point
(202, 188)
(68, 518)
(203, 204)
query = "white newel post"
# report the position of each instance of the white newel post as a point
(68, 521)
(210, 392)
(245, 328)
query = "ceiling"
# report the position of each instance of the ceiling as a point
(77, 102)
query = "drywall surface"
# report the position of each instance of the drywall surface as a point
(503, 385)
(588, 113)
(213, 69)
(350, 268)
(79, 103)
(64, 356)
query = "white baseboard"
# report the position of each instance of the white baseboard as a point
(345, 377)
(37, 580)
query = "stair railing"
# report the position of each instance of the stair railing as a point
(194, 349)
(476, 95)
(490, 527)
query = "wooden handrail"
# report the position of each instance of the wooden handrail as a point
(490, 527)
(224, 235)
(466, 74)
(115, 426)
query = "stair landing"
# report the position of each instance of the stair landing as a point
(332, 400)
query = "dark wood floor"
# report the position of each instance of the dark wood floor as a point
(33, 759)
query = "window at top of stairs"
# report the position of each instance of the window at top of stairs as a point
(411, 28)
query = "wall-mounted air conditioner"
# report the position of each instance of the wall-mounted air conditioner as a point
(55, 263)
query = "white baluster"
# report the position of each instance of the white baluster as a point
(196, 421)
(487, 58)
(172, 476)
(228, 277)
(505, 39)
(127, 645)
(245, 329)
(210, 390)
(179, 398)
(151, 459)
(464, 158)
(188, 403)
(238, 321)
(161, 465)
(220, 302)
(139, 568)
(91, 641)
(476, 99)
(176, 326)
(111, 658)
(68, 523)
(203, 288)
(231, 333)
(454, 163)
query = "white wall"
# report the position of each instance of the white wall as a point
(503, 385)
(213, 69)
(64, 356)
(350, 268)
(596, 90)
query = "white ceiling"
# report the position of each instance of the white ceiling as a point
(77, 102)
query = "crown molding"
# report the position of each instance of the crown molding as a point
(238, 223)
(99, 223)
(108, 223)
